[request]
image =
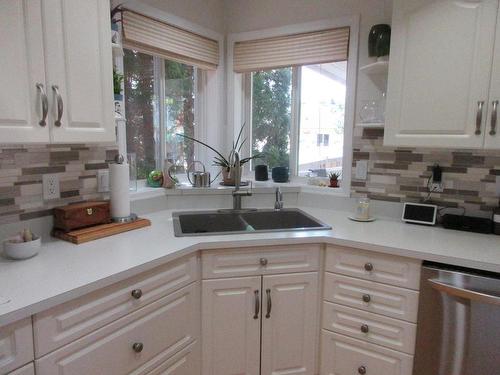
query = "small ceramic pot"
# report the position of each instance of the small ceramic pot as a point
(22, 250)
(334, 183)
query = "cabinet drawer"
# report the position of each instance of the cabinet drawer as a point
(163, 327)
(16, 345)
(342, 355)
(374, 297)
(388, 269)
(186, 362)
(260, 261)
(67, 322)
(377, 329)
(25, 370)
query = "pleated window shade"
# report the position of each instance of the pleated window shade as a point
(157, 38)
(292, 50)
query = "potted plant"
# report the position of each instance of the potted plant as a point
(334, 179)
(223, 162)
(117, 84)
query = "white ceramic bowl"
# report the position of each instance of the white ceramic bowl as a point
(21, 250)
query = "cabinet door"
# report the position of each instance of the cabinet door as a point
(231, 326)
(289, 324)
(492, 133)
(22, 63)
(79, 63)
(439, 72)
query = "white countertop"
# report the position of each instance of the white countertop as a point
(62, 271)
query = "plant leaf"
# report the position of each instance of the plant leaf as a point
(204, 144)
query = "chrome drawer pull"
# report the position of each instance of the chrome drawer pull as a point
(362, 370)
(45, 104)
(479, 116)
(269, 303)
(366, 298)
(365, 328)
(368, 267)
(257, 305)
(137, 347)
(136, 293)
(494, 117)
(59, 105)
(263, 261)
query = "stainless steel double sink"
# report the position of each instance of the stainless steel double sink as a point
(203, 223)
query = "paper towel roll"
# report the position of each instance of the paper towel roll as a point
(119, 190)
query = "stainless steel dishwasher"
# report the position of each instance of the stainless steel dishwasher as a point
(458, 329)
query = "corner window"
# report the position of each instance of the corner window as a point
(298, 116)
(160, 101)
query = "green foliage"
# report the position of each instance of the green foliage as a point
(117, 82)
(271, 115)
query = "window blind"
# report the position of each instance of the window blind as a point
(151, 36)
(292, 50)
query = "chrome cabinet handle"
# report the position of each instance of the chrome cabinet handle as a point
(366, 298)
(263, 261)
(45, 104)
(59, 104)
(368, 267)
(494, 117)
(257, 305)
(479, 116)
(269, 303)
(136, 293)
(365, 328)
(138, 347)
(362, 370)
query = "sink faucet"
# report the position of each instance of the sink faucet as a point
(236, 174)
(278, 204)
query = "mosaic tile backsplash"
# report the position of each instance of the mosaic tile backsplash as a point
(22, 167)
(401, 174)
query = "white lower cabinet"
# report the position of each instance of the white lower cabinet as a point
(231, 326)
(342, 355)
(260, 325)
(16, 345)
(136, 343)
(29, 369)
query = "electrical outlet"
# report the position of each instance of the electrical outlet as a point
(51, 188)
(103, 180)
(361, 169)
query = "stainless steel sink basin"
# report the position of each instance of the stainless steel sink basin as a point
(202, 223)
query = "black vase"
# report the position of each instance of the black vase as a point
(379, 40)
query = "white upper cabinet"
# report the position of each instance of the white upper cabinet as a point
(440, 73)
(492, 133)
(22, 69)
(79, 63)
(61, 49)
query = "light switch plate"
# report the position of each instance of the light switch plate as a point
(361, 169)
(51, 189)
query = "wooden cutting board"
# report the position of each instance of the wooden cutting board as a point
(99, 231)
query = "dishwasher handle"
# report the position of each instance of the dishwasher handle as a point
(464, 293)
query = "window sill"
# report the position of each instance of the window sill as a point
(297, 185)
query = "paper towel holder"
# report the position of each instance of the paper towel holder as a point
(119, 159)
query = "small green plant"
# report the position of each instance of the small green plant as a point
(221, 160)
(117, 82)
(334, 176)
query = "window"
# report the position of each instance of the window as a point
(313, 127)
(160, 101)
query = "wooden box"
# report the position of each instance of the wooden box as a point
(81, 215)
